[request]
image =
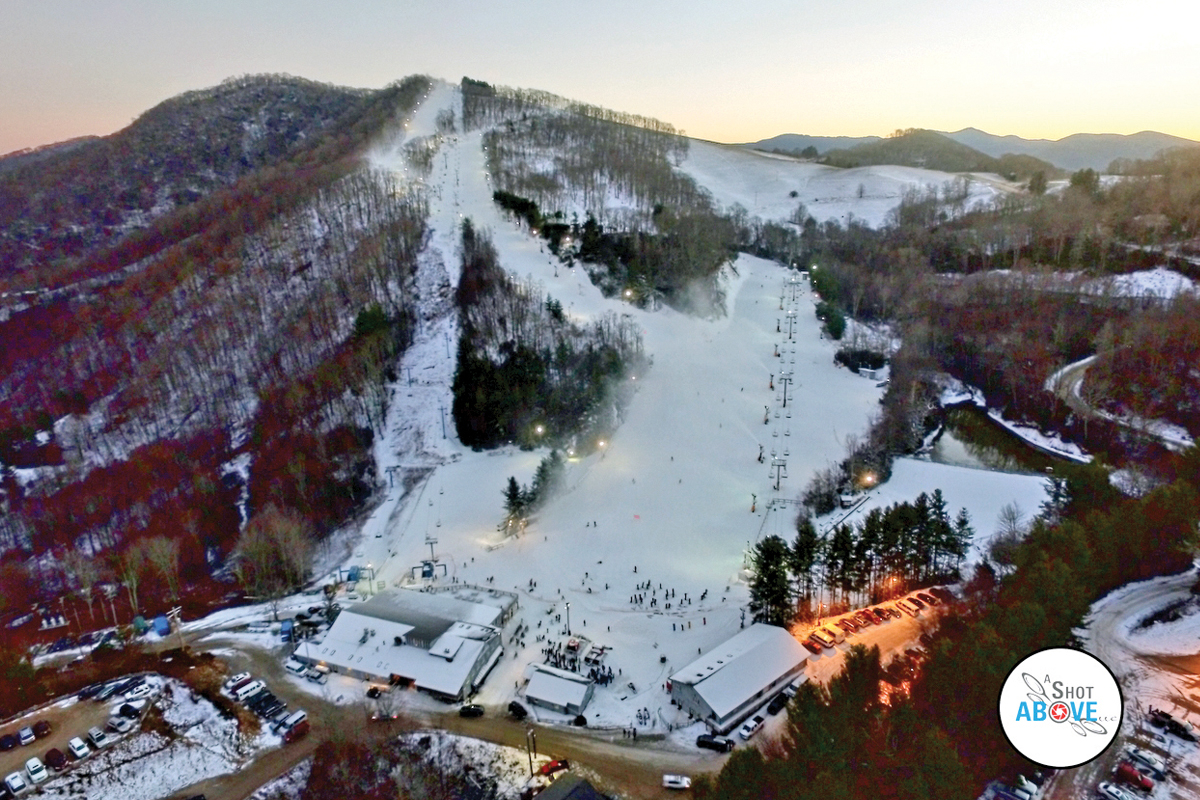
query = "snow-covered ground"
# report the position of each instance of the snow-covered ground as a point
(762, 183)
(1155, 667)
(678, 493)
(982, 492)
(146, 764)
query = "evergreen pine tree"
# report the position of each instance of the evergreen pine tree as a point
(770, 589)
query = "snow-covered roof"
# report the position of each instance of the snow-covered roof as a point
(557, 687)
(429, 615)
(726, 676)
(443, 668)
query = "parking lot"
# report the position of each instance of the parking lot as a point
(69, 718)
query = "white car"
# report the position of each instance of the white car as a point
(78, 748)
(15, 783)
(120, 725)
(677, 782)
(141, 692)
(1111, 791)
(236, 679)
(295, 667)
(99, 738)
(36, 769)
(750, 727)
(1148, 759)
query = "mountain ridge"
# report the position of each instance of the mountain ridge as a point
(1073, 152)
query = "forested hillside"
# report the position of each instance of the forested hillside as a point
(256, 324)
(931, 150)
(591, 173)
(70, 200)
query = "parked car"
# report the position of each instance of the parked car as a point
(822, 637)
(1148, 759)
(916, 601)
(1163, 719)
(907, 607)
(7, 742)
(295, 667)
(42, 729)
(78, 749)
(141, 691)
(942, 593)
(1128, 774)
(128, 711)
(928, 598)
(1111, 791)
(317, 676)
(108, 691)
(36, 770)
(676, 782)
(777, 704)
(847, 625)
(374, 692)
(471, 710)
(864, 618)
(879, 615)
(811, 646)
(15, 783)
(99, 738)
(722, 744)
(751, 726)
(25, 736)
(234, 680)
(834, 632)
(56, 759)
(790, 690)
(120, 724)
(296, 731)
(551, 767)
(517, 710)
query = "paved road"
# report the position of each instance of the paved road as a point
(1142, 676)
(613, 763)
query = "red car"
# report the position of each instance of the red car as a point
(551, 767)
(864, 619)
(812, 647)
(1128, 774)
(847, 626)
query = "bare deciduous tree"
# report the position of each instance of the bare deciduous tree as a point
(163, 555)
(85, 572)
(130, 566)
(274, 555)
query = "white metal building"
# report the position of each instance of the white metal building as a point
(442, 644)
(558, 689)
(723, 686)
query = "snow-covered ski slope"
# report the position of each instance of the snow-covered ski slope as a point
(670, 493)
(762, 184)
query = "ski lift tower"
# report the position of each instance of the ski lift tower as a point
(779, 465)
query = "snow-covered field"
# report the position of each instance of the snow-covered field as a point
(762, 183)
(677, 494)
(668, 498)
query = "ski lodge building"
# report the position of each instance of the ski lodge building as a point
(441, 643)
(558, 689)
(726, 684)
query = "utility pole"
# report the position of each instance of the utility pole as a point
(442, 409)
(785, 379)
(568, 619)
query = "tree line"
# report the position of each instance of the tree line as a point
(892, 550)
(525, 373)
(941, 740)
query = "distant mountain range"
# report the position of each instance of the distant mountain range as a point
(1095, 150)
